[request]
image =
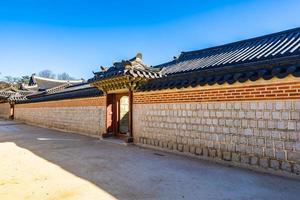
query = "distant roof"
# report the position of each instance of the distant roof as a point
(70, 92)
(46, 89)
(41, 83)
(265, 48)
(11, 93)
(267, 56)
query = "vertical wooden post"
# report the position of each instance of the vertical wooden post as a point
(115, 111)
(106, 113)
(12, 111)
(109, 116)
(130, 116)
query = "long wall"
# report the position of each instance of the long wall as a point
(85, 116)
(254, 125)
(5, 110)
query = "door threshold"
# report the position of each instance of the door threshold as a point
(116, 140)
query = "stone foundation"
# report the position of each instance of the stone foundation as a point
(264, 134)
(84, 116)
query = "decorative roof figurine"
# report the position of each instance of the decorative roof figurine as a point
(126, 74)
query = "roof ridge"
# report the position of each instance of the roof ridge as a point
(241, 41)
(57, 80)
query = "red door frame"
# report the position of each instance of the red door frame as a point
(112, 114)
(110, 99)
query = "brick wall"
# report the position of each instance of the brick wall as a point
(85, 116)
(5, 111)
(290, 90)
(262, 134)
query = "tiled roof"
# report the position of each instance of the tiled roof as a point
(264, 48)
(264, 57)
(41, 83)
(11, 94)
(131, 68)
(71, 92)
(6, 94)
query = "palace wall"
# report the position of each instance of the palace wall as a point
(254, 125)
(85, 116)
(5, 110)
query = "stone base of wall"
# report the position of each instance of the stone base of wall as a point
(84, 116)
(246, 161)
(64, 130)
(83, 120)
(264, 134)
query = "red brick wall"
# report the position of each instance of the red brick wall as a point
(96, 101)
(289, 90)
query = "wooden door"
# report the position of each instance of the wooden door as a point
(109, 113)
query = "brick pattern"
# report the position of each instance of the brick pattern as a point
(5, 110)
(261, 133)
(96, 101)
(289, 90)
(89, 120)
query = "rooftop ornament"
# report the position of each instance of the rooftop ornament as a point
(125, 75)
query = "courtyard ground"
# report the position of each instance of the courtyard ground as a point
(39, 163)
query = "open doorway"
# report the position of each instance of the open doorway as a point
(123, 115)
(118, 115)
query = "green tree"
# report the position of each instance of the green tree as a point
(12, 80)
(24, 79)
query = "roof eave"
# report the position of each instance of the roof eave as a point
(294, 59)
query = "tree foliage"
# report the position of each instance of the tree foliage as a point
(64, 76)
(47, 74)
(11, 79)
(24, 79)
(17, 80)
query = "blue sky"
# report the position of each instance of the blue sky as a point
(79, 36)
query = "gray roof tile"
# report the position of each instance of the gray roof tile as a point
(264, 48)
